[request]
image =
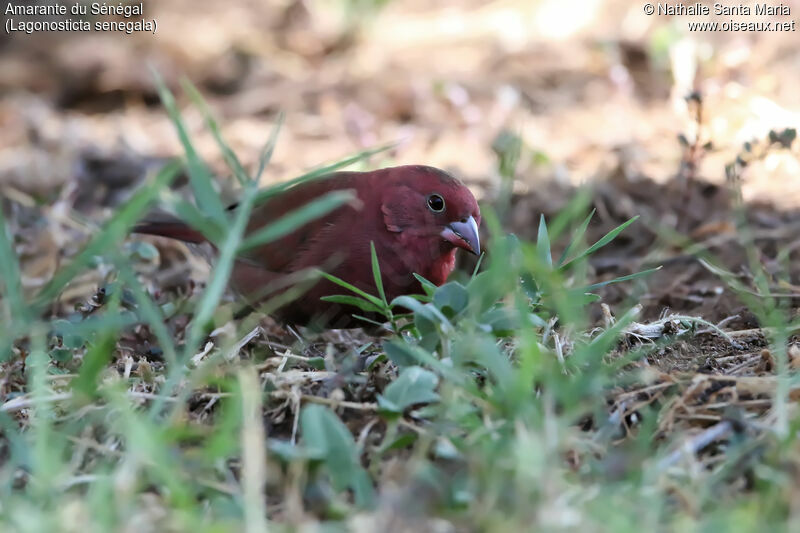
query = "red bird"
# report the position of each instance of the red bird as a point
(416, 215)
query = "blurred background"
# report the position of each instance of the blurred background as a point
(590, 88)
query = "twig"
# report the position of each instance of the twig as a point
(24, 402)
(234, 351)
(696, 443)
(367, 406)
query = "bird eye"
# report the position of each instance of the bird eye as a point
(436, 203)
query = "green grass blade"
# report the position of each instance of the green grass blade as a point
(478, 264)
(629, 277)
(212, 295)
(269, 147)
(199, 176)
(230, 157)
(299, 217)
(376, 274)
(607, 238)
(151, 313)
(195, 218)
(577, 237)
(150, 444)
(354, 301)
(253, 444)
(543, 243)
(10, 277)
(112, 233)
(95, 361)
(319, 173)
(340, 282)
(221, 272)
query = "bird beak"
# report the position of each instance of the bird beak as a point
(463, 234)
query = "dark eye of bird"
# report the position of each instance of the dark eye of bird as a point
(436, 203)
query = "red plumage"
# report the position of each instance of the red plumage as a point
(416, 215)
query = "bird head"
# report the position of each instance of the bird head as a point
(428, 203)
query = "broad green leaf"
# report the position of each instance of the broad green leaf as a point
(500, 321)
(399, 353)
(327, 437)
(451, 296)
(429, 311)
(484, 351)
(414, 385)
(288, 452)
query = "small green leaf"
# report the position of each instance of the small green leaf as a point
(62, 355)
(402, 441)
(288, 452)
(96, 359)
(451, 298)
(404, 354)
(327, 437)
(530, 287)
(430, 312)
(500, 321)
(140, 250)
(427, 286)
(399, 353)
(415, 385)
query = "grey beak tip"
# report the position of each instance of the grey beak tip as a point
(468, 232)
